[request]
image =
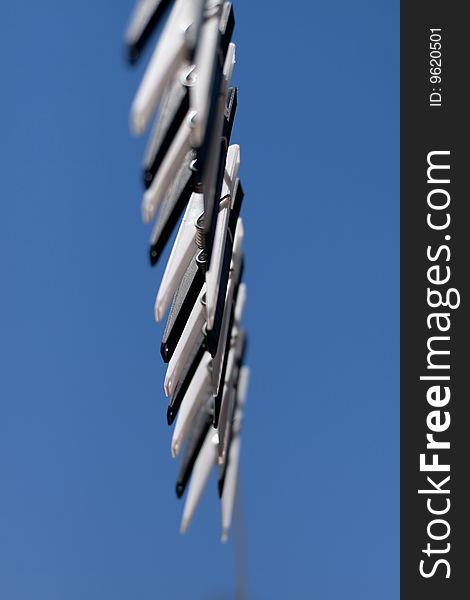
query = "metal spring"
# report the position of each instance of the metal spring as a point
(201, 261)
(200, 238)
(187, 76)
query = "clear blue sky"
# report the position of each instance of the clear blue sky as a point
(87, 503)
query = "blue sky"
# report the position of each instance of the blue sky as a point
(87, 504)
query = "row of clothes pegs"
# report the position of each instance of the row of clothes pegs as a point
(191, 169)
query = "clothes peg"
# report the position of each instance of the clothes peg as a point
(173, 108)
(144, 19)
(200, 426)
(201, 471)
(212, 153)
(182, 305)
(176, 45)
(181, 188)
(227, 404)
(189, 337)
(199, 389)
(187, 374)
(230, 486)
(241, 392)
(227, 319)
(213, 274)
(216, 33)
(173, 205)
(181, 254)
(213, 334)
